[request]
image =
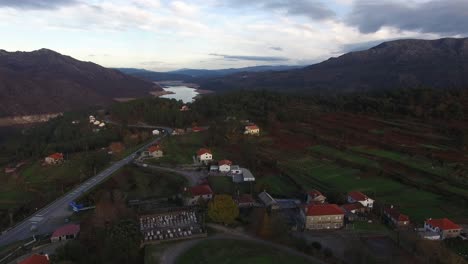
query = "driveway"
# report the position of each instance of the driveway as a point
(193, 177)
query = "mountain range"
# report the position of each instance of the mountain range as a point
(190, 75)
(44, 81)
(409, 63)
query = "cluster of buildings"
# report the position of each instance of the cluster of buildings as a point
(94, 121)
(224, 167)
(252, 129)
(154, 151)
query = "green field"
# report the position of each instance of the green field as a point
(181, 149)
(345, 156)
(417, 163)
(236, 252)
(326, 176)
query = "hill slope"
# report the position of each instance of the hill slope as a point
(439, 63)
(45, 81)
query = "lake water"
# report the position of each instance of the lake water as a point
(180, 92)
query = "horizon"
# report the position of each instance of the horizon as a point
(164, 35)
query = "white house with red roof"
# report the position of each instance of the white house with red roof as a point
(65, 232)
(224, 165)
(55, 158)
(36, 259)
(315, 197)
(155, 151)
(195, 193)
(359, 197)
(323, 216)
(252, 130)
(444, 227)
(204, 155)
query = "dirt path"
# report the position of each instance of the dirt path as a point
(171, 254)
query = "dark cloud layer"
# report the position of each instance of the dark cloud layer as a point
(249, 58)
(445, 17)
(35, 4)
(314, 9)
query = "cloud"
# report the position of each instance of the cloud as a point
(276, 48)
(249, 58)
(434, 16)
(313, 9)
(35, 4)
(182, 8)
(357, 46)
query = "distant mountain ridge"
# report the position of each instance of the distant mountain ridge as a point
(193, 74)
(44, 81)
(408, 63)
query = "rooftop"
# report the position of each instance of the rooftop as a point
(154, 148)
(36, 259)
(56, 156)
(395, 214)
(358, 196)
(324, 209)
(203, 151)
(71, 229)
(224, 162)
(353, 206)
(443, 224)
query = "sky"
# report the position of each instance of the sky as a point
(166, 35)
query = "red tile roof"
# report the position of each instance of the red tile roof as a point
(395, 214)
(251, 127)
(443, 224)
(315, 193)
(56, 156)
(200, 190)
(324, 209)
(154, 148)
(358, 196)
(71, 229)
(197, 129)
(36, 259)
(225, 162)
(353, 206)
(203, 151)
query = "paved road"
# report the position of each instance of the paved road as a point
(51, 216)
(171, 254)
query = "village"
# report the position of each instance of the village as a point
(309, 214)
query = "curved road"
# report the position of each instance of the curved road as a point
(52, 216)
(171, 254)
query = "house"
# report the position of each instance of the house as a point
(354, 208)
(178, 131)
(315, 197)
(204, 155)
(323, 216)
(155, 132)
(36, 259)
(252, 130)
(235, 169)
(65, 232)
(245, 200)
(55, 158)
(267, 199)
(194, 194)
(359, 197)
(102, 124)
(394, 218)
(155, 151)
(224, 165)
(444, 227)
(247, 176)
(184, 108)
(197, 129)
(9, 170)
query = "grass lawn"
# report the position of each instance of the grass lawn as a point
(278, 185)
(181, 149)
(224, 185)
(236, 252)
(371, 227)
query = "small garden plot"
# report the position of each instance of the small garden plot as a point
(224, 185)
(345, 156)
(278, 185)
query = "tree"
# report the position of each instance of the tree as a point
(223, 209)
